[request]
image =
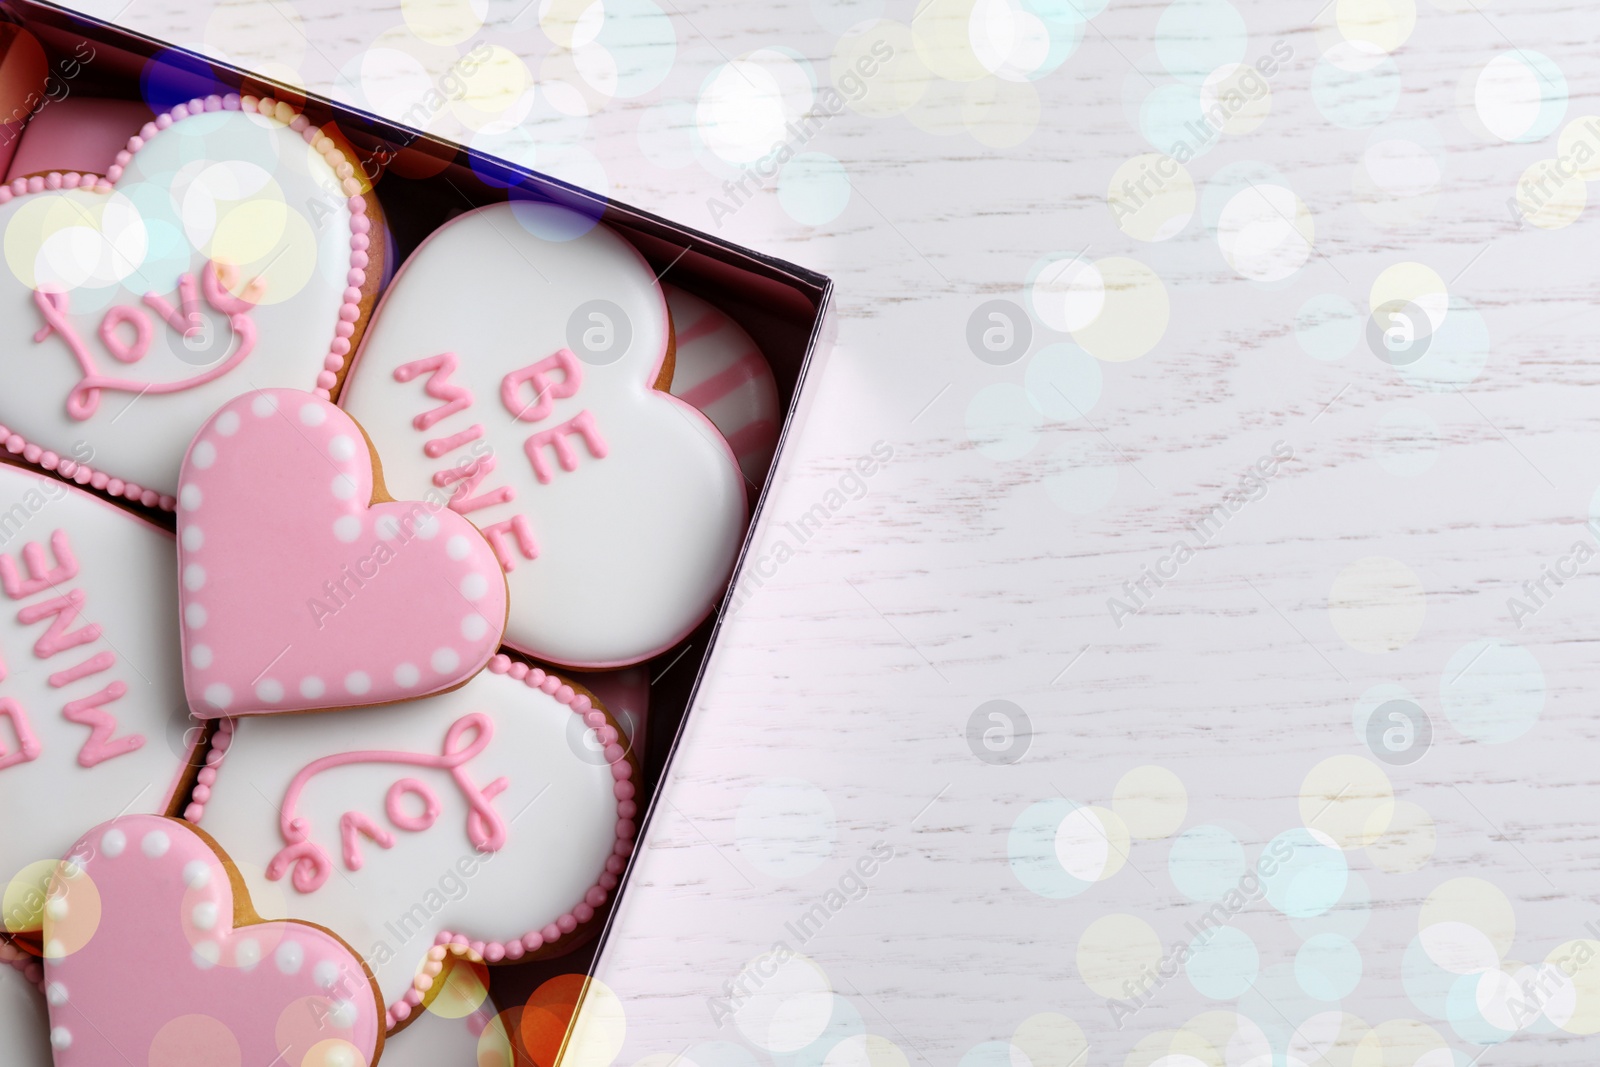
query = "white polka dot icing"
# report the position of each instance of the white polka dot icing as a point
(165, 966)
(615, 508)
(329, 588)
(92, 715)
(350, 817)
(126, 332)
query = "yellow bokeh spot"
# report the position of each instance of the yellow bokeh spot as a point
(1151, 197)
(598, 1029)
(941, 32)
(1092, 844)
(1377, 604)
(247, 232)
(1407, 843)
(1000, 113)
(1347, 798)
(1580, 146)
(71, 911)
(1152, 801)
(1414, 282)
(1552, 194)
(1051, 1040)
(571, 23)
(284, 269)
(1398, 1043)
(25, 894)
(334, 1053)
(495, 1047)
(1115, 953)
(444, 22)
(1328, 1039)
(464, 989)
(493, 89)
(1472, 902)
(871, 84)
(1580, 961)
(1383, 24)
(1135, 314)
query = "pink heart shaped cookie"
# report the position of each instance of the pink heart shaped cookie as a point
(153, 959)
(304, 586)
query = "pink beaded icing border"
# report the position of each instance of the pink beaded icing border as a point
(349, 313)
(447, 943)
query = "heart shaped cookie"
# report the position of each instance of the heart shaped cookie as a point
(501, 812)
(227, 248)
(92, 716)
(304, 586)
(616, 508)
(152, 957)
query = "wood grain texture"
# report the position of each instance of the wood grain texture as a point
(957, 578)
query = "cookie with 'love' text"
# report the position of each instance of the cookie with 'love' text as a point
(231, 245)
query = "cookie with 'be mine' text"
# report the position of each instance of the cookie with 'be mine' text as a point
(92, 715)
(615, 508)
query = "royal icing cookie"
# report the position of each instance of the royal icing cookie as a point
(227, 248)
(25, 1027)
(304, 587)
(481, 818)
(719, 369)
(441, 1035)
(626, 695)
(615, 508)
(150, 958)
(92, 716)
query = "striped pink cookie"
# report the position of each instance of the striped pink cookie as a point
(720, 370)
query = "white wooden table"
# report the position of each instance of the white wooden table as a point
(1409, 501)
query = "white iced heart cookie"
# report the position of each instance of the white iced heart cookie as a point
(93, 721)
(227, 249)
(497, 816)
(616, 509)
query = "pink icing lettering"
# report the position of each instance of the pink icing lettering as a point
(28, 747)
(188, 320)
(101, 745)
(438, 368)
(353, 823)
(545, 392)
(519, 529)
(126, 351)
(394, 805)
(40, 576)
(84, 399)
(555, 438)
(439, 446)
(486, 830)
(462, 501)
(102, 661)
(57, 638)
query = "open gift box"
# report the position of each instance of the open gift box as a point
(73, 89)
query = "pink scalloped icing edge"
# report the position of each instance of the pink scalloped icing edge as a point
(349, 312)
(446, 943)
